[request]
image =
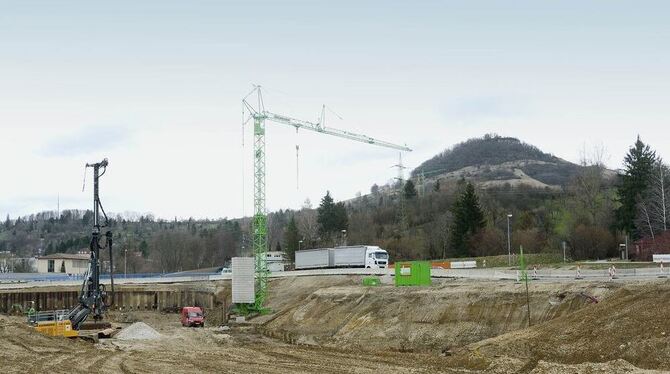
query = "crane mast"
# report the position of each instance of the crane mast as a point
(259, 115)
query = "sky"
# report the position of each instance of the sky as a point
(156, 87)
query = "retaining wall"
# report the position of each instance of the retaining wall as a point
(124, 298)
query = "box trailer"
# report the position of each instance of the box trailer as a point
(312, 258)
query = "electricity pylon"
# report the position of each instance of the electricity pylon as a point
(259, 114)
(401, 216)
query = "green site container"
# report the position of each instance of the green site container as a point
(413, 273)
(371, 281)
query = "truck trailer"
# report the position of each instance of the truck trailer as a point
(357, 256)
(312, 258)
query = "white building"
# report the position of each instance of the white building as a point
(276, 261)
(63, 263)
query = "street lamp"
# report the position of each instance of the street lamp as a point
(509, 243)
(344, 237)
(125, 263)
(299, 243)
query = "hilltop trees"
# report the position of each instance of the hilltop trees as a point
(468, 220)
(489, 150)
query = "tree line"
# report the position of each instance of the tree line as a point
(595, 212)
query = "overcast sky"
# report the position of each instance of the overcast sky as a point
(156, 87)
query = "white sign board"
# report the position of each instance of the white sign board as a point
(243, 280)
(463, 264)
(661, 258)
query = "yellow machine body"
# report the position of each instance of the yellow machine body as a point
(57, 328)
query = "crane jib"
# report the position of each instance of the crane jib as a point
(260, 243)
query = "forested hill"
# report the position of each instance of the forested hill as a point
(494, 158)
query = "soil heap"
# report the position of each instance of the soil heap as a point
(138, 331)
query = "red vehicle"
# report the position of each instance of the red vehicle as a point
(192, 316)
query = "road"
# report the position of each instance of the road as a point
(552, 275)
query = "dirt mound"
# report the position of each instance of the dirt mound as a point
(22, 349)
(17, 337)
(632, 324)
(445, 316)
(138, 331)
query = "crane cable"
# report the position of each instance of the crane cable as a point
(244, 122)
(83, 186)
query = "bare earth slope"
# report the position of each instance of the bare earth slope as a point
(417, 319)
(632, 324)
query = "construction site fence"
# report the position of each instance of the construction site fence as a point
(55, 277)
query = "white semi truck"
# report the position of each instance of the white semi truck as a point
(356, 256)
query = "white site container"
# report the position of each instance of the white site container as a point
(243, 280)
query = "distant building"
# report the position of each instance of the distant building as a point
(63, 263)
(646, 247)
(276, 260)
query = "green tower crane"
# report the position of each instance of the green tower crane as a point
(253, 104)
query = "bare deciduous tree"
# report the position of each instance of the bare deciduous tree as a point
(589, 184)
(653, 207)
(308, 226)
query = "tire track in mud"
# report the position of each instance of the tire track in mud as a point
(338, 361)
(107, 362)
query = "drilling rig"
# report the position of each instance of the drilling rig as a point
(94, 299)
(258, 113)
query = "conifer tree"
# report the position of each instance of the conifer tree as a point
(468, 220)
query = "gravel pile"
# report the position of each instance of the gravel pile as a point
(138, 331)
